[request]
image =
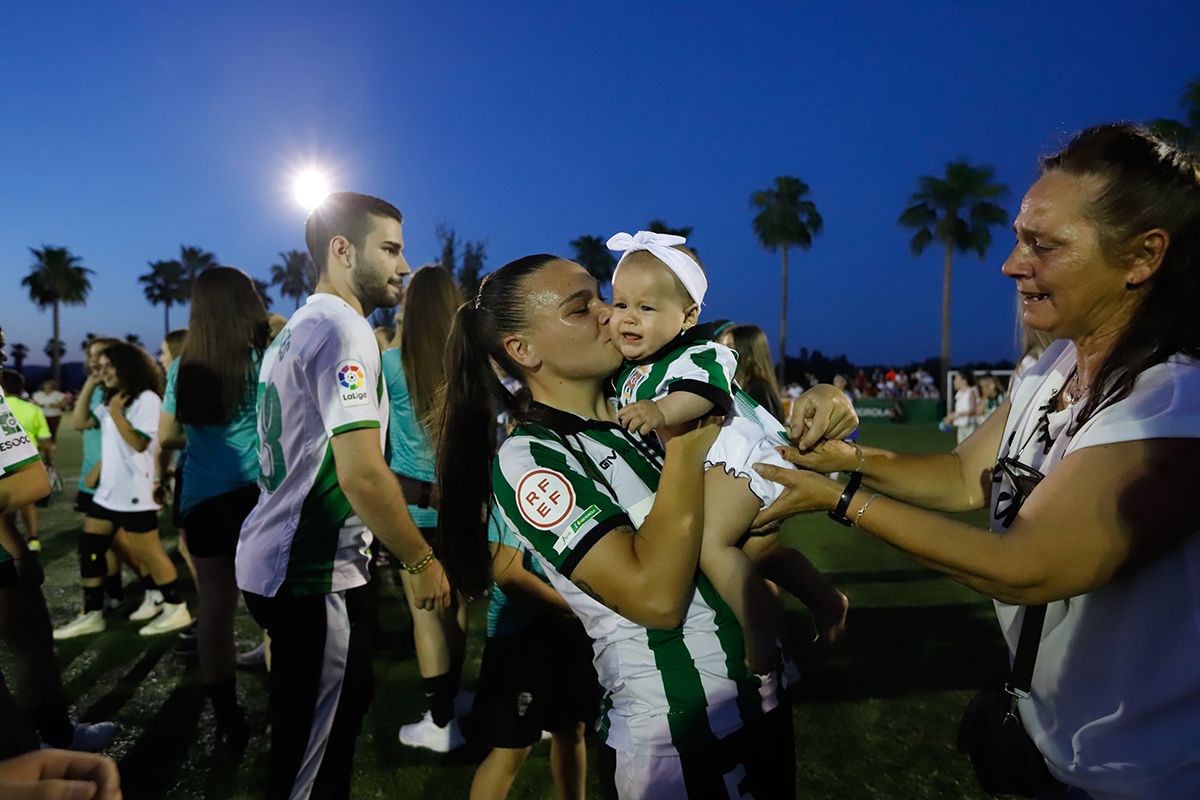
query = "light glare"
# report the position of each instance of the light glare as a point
(310, 187)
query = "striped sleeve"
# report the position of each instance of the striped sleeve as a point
(547, 498)
(705, 369)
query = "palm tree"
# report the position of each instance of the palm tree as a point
(593, 254)
(87, 341)
(19, 353)
(660, 226)
(57, 277)
(1185, 134)
(134, 339)
(193, 261)
(262, 287)
(54, 349)
(164, 285)
(785, 219)
(956, 210)
(296, 275)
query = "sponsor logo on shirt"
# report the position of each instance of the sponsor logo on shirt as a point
(12, 444)
(589, 513)
(9, 424)
(352, 380)
(629, 389)
(545, 498)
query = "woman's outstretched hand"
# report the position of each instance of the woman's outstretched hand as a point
(823, 412)
(803, 490)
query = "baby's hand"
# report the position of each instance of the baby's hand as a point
(641, 417)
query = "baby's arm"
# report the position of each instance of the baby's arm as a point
(646, 416)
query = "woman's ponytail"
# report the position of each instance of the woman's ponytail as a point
(466, 432)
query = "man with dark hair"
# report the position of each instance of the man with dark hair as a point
(345, 214)
(303, 554)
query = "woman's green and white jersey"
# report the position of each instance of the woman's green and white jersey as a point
(693, 363)
(319, 378)
(16, 450)
(561, 483)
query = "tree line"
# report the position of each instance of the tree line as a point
(956, 211)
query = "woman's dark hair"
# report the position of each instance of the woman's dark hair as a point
(429, 307)
(464, 443)
(755, 371)
(136, 370)
(227, 333)
(1147, 184)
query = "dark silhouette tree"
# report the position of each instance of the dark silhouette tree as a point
(193, 261)
(56, 278)
(785, 219)
(957, 211)
(592, 253)
(295, 275)
(471, 271)
(1183, 133)
(660, 226)
(19, 353)
(165, 285)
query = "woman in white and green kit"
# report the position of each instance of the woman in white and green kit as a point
(616, 525)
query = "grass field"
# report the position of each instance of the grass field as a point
(876, 719)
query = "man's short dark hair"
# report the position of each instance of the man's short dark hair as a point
(12, 382)
(347, 214)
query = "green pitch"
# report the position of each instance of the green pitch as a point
(874, 719)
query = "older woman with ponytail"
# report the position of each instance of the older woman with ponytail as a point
(616, 524)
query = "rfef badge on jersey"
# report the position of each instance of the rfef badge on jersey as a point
(352, 384)
(545, 498)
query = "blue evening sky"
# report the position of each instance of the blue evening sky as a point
(130, 128)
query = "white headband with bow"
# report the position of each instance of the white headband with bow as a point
(661, 246)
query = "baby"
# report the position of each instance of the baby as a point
(674, 373)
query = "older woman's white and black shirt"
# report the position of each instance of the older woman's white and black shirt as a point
(1115, 704)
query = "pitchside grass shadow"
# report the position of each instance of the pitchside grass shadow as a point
(875, 717)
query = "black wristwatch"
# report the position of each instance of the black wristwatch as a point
(839, 513)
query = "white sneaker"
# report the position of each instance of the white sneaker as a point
(87, 622)
(92, 737)
(431, 737)
(252, 659)
(152, 604)
(174, 617)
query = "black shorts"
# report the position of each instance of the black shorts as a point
(534, 680)
(128, 521)
(8, 574)
(83, 502)
(213, 525)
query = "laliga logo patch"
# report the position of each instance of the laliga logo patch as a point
(352, 379)
(545, 498)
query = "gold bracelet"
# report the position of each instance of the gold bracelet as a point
(863, 510)
(419, 567)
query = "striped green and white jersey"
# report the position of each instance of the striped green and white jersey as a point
(17, 451)
(693, 363)
(561, 483)
(319, 378)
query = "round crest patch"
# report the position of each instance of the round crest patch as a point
(545, 498)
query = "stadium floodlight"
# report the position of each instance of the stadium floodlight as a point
(310, 187)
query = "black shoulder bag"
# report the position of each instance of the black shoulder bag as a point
(1005, 759)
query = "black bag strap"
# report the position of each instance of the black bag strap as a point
(1027, 646)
